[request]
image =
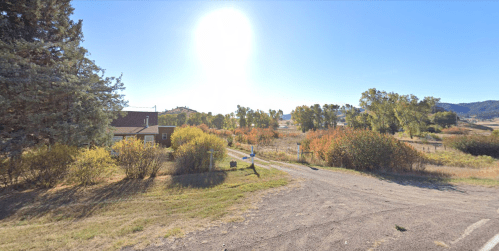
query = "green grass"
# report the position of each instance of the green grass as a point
(476, 181)
(174, 232)
(112, 215)
(458, 159)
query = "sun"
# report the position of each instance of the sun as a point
(223, 43)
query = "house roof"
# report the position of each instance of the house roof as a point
(136, 119)
(136, 130)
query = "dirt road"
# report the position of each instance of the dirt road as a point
(338, 211)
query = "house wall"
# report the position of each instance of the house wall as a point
(159, 138)
(138, 136)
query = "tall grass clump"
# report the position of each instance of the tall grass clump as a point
(458, 159)
(363, 150)
(192, 147)
(138, 159)
(475, 144)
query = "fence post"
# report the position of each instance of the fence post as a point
(211, 159)
(298, 151)
(252, 162)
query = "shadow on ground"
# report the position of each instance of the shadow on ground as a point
(72, 202)
(420, 179)
(199, 180)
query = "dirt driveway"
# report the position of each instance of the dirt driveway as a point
(338, 211)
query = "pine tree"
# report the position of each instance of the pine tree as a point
(49, 90)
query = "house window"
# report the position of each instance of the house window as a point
(149, 139)
(163, 136)
(117, 138)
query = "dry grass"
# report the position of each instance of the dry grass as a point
(453, 165)
(117, 213)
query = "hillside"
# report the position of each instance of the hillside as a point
(178, 110)
(482, 110)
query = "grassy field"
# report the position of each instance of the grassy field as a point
(117, 213)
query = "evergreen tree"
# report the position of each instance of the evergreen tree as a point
(49, 90)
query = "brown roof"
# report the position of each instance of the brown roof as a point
(136, 130)
(136, 119)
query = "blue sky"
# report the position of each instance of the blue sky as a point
(214, 55)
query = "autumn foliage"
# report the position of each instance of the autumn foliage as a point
(362, 150)
(192, 146)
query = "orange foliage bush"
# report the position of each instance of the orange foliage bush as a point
(362, 150)
(260, 136)
(204, 127)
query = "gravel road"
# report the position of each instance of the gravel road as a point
(337, 211)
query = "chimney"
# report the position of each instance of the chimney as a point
(147, 121)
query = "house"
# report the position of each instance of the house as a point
(143, 125)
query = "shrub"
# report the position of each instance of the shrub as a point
(475, 144)
(183, 135)
(455, 130)
(434, 136)
(90, 164)
(495, 133)
(364, 150)
(9, 173)
(193, 156)
(230, 141)
(46, 166)
(138, 159)
(434, 129)
(204, 127)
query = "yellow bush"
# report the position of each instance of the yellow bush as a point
(138, 159)
(184, 135)
(90, 164)
(193, 156)
(47, 165)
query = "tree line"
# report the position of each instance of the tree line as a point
(242, 117)
(383, 112)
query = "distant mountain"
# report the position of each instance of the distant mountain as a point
(286, 117)
(483, 110)
(178, 110)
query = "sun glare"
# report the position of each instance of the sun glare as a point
(223, 41)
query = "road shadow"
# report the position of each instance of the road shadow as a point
(419, 179)
(198, 180)
(72, 202)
